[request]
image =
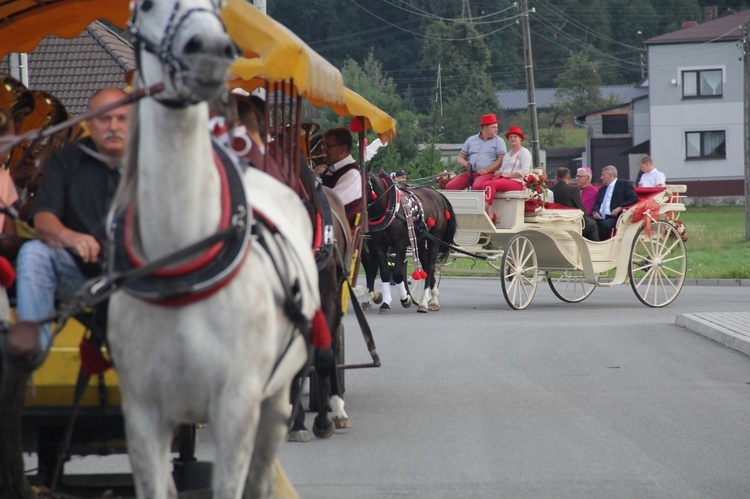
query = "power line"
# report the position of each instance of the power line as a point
(421, 35)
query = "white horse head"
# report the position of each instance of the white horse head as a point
(183, 44)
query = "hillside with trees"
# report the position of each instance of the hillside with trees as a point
(435, 64)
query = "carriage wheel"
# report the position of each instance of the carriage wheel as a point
(519, 277)
(657, 264)
(315, 384)
(570, 285)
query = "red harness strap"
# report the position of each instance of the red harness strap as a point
(201, 260)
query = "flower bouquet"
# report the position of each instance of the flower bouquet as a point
(681, 229)
(443, 178)
(536, 183)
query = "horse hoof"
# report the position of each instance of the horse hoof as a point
(422, 309)
(377, 297)
(407, 302)
(385, 309)
(433, 307)
(298, 436)
(367, 305)
(341, 423)
(324, 432)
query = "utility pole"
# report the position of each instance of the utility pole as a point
(466, 10)
(746, 124)
(526, 31)
(640, 50)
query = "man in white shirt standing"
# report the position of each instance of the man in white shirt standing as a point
(651, 176)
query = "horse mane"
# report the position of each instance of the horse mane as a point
(129, 181)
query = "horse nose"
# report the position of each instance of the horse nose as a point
(218, 45)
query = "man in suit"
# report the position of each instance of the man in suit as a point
(611, 201)
(570, 196)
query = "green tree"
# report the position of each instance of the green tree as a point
(466, 89)
(578, 87)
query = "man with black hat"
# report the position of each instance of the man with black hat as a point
(481, 155)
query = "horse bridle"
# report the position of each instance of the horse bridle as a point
(176, 66)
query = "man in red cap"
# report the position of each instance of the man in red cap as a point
(480, 156)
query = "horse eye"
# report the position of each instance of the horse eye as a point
(147, 5)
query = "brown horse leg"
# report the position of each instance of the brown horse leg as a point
(298, 432)
(323, 427)
(13, 482)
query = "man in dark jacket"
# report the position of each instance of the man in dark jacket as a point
(611, 201)
(570, 196)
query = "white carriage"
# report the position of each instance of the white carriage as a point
(528, 245)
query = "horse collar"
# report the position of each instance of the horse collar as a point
(380, 222)
(209, 271)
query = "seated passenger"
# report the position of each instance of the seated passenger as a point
(515, 166)
(588, 190)
(651, 176)
(69, 216)
(611, 201)
(481, 156)
(570, 196)
(8, 197)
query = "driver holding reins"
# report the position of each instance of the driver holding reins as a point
(481, 155)
(344, 175)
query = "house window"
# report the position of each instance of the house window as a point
(614, 124)
(705, 145)
(702, 83)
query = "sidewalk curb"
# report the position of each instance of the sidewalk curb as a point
(717, 282)
(729, 329)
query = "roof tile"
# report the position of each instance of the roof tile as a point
(72, 70)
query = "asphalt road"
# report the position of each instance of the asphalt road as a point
(606, 398)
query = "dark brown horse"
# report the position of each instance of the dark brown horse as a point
(400, 217)
(333, 253)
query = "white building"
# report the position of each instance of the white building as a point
(695, 106)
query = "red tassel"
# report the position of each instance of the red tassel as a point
(92, 361)
(447, 215)
(357, 125)
(422, 274)
(430, 222)
(7, 272)
(416, 275)
(321, 335)
(373, 195)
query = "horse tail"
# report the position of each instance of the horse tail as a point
(450, 229)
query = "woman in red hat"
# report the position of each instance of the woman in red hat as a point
(515, 166)
(481, 155)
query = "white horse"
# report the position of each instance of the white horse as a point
(219, 359)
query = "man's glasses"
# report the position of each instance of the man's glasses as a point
(328, 146)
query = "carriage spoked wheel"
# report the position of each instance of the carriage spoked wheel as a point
(315, 384)
(519, 274)
(657, 264)
(570, 285)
